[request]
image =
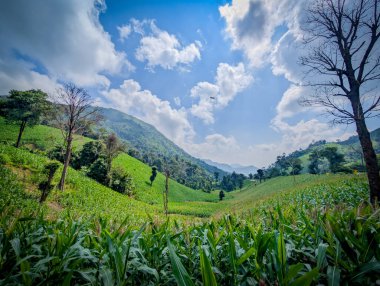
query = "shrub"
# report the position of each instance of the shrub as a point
(98, 171)
(4, 159)
(122, 181)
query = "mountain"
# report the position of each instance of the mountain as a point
(147, 144)
(246, 170)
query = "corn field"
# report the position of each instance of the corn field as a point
(323, 236)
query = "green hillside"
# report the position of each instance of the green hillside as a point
(301, 230)
(350, 148)
(40, 139)
(146, 139)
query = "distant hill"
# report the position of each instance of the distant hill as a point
(350, 148)
(246, 170)
(147, 144)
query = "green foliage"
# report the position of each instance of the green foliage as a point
(122, 182)
(153, 175)
(221, 195)
(4, 159)
(99, 171)
(335, 159)
(24, 108)
(303, 239)
(89, 153)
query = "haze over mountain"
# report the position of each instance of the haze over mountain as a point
(237, 168)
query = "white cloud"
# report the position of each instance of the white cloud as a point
(160, 48)
(131, 99)
(251, 25)
(124, 32)
(288, 105)
(229, 81)
(215, 147)
(64, 37)
(177, 101)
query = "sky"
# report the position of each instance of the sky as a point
(220, 79)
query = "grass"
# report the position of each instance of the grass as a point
(38, 137)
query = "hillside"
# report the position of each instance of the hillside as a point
(40, 139)
(350, 148)
(145, 139)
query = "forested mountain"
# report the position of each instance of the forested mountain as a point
(150, 146)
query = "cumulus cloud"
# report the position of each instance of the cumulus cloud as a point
(229, 81)
(65, 38)
(216, 147)
(124, 32)
(131, 99)
(159, 48)
(251, 25)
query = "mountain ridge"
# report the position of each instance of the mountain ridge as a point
(237, 168)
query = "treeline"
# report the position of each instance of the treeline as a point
(181, 170)
(321, 160)
(229, 182)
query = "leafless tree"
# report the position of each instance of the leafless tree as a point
(73, 115)
(344, 67)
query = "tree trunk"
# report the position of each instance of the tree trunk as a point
(368, 151)
(61, 185)
(22, 127)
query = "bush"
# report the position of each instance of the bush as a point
(4, 159)
(98, 171)
(90, 152)
(122, 181)
(57, 153)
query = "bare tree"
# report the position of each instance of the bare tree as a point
(73, 115)
(344, 67)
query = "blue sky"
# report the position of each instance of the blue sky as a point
(219, 78)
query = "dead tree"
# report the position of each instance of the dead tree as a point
(73, 115)
(343, 65)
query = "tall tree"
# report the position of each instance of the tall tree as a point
(24, 108)
(73, 115)
(343, 36)
(260, 174)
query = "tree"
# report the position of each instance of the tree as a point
(24, 108)
(260, 174)
(335, 159)
(315, 160)
(113, 148)
(344, 64)
(295, 165)
(216, 176)
(99, 171)
(74, 114)
(122, 181)
(90, 152)
(153, 176)
(221, 195)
